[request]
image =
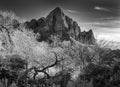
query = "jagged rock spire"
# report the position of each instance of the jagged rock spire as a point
(57, 23)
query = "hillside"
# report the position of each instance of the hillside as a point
(53, 52)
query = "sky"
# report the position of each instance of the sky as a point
(102, 16)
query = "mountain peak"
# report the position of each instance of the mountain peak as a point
(57, 9)
(59, 24)
(90, 31)
(56, 12)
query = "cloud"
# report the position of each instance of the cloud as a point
(72, 11)
(109, 36)
(101, 8)
(107, 28)
(108, 22)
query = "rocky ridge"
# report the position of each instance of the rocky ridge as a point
(59, 24)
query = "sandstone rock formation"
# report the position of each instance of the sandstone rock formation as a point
(59, 24)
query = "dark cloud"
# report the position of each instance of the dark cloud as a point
(23, 7)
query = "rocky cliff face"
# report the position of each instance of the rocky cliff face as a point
(87, 37)
(57, 23)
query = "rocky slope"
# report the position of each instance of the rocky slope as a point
(59, 24)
